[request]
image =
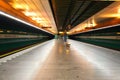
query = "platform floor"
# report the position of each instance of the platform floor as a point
(53, 61)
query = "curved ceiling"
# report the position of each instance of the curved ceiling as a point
(63, 14)
(69, 13)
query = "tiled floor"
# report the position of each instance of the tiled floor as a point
(79, 62)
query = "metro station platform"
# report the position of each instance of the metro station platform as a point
(51, 60)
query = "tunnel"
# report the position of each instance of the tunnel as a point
(59, 40)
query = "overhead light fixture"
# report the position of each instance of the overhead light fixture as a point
(36, 18)
(118, 32)
(20, 6)
(27, 13)
(61, 32)
(68, 32)
(118, 13)
(1, 31)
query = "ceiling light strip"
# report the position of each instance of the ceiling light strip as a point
(9, 16)
(98, 29)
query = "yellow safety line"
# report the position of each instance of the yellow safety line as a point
(18, 50)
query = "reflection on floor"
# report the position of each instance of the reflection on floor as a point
(80, 61)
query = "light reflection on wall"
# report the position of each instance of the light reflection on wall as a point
(110, 12)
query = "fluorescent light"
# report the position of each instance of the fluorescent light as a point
(9, 16)
(30, 13)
